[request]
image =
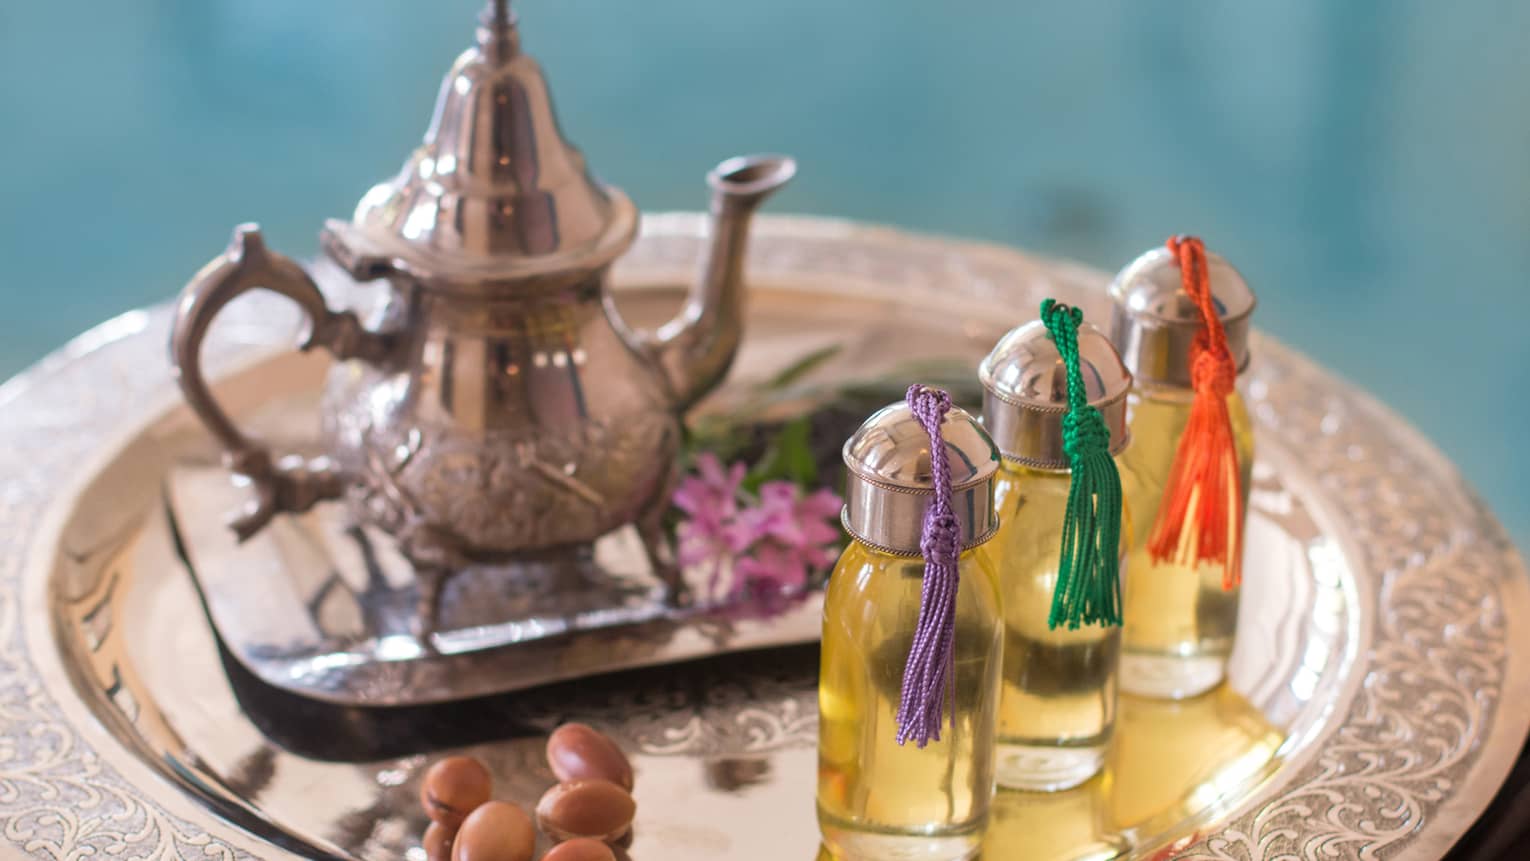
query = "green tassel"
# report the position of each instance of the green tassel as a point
(1088, 590)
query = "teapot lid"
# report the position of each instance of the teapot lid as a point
(495, 192)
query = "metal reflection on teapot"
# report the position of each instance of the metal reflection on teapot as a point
(497, 404)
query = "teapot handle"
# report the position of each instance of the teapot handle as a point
(288, 484)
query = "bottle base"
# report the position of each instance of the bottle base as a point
(1171, 677)
(1047, 768)
(852, 843)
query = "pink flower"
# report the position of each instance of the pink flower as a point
(710, 498)
(802, 523)
(773, 568)
(776, 542)
(711, 491)
(795, 536)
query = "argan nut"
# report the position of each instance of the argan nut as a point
(578, 752)
(580, 849)
(496, 831)
(438, 842)
(586, 808)
(453, 787)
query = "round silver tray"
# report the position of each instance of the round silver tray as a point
(1383, 632)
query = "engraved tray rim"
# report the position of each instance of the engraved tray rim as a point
(1377, 784)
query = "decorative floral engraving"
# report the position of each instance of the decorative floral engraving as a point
(58, 799)
(577, 475)
(1411, 736)
(567, 483)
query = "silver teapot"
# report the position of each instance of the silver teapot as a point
(497, 405)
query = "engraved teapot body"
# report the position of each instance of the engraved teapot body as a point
(495, 404)
(502, 425)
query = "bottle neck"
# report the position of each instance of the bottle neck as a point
(1035, 473)
(1168, 394)
(885, 556)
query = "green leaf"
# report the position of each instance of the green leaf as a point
(788, 457)
(801, 368)
(796, 448)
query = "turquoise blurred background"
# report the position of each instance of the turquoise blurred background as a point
(1367, 165)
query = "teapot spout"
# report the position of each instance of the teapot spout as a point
(697, 347)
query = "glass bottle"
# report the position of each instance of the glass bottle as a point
(1058, 703)
(878, 798)
(1180, 621)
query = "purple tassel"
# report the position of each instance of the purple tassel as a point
(930, 674)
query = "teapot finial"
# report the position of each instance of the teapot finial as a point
(496, 30)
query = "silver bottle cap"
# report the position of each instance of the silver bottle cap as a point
(1154, 320)
(888, 486)
(1025, 393)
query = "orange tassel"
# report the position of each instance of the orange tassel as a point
(1201, 517)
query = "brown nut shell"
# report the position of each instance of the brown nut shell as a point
(586, 808)
(438, 842)
(496, 831)
(453, 787)
(579, 752)
(580, 849)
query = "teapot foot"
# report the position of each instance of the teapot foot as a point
(436, 556)
(431, 582)
(659, 547)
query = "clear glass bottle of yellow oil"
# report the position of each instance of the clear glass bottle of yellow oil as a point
(922, 799)
(1058, 703)
(1180, 619)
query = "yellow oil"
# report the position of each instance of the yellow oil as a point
(1058, 701)
(1071, 825)
(876, 798)
(1172, 761)
(1179, 621)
